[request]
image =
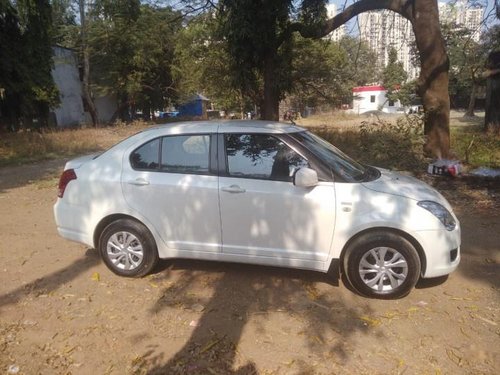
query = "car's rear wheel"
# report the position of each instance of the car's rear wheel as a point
(128, 248)
(382, 265)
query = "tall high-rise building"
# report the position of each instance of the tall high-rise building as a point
(463, 14)
(384, 29)
(337, 34)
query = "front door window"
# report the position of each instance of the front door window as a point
(261, 156)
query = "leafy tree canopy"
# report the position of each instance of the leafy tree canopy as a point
(394, 76)
(26, 61)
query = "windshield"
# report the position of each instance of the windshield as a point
(342, 165)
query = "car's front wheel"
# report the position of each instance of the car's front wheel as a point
(128, 248)
(382, 265)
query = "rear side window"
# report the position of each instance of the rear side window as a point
(147, 156)
(175, 154)
(185, 154)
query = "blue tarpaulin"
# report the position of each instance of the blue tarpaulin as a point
(194, 107)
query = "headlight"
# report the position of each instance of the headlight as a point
(440, 212)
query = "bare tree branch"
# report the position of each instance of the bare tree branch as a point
(402, 7)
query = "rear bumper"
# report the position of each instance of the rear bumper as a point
(70, 225)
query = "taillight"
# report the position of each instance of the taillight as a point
(66, 177)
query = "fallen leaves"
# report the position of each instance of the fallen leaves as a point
(372, 322)
(454, 357)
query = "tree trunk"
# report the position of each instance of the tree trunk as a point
(472, 101)
(433, 81)
(270, 104)
(492, 115)
(86, 66)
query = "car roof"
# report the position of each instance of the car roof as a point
(226, 126)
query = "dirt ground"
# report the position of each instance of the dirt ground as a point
(62, 311)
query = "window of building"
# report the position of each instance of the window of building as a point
(372, 98)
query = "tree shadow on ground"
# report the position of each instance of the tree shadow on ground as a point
(243, 293)
(480, 247)
(52, 282)
(16, 176)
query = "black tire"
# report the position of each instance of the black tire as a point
(126, 261)
(389, 282)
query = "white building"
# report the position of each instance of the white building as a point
(384, 29)
(373, 98)
(463, 14)
(71, 111)
(337, 34)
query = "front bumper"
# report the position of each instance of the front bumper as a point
(442, 251)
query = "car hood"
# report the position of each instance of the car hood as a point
(404, 186)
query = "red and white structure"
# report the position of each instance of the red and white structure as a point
(373, 98)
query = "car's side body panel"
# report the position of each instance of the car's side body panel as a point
(360, 209)
(183, 208)
(277, 219)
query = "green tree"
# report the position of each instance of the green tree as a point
(11, 71)
(259, 35)
(362, 66)
(261, 58)
(202, 65)
(27, 61)
(36, 20)
(64, 27)
(323, 72)
(131, 50)
(467, 61)
(393, 77)
(318, 73)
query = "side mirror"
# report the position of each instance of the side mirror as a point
(305, 177)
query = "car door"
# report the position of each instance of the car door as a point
(263, 213)
(172, 182)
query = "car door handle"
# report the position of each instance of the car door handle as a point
(139, 182)
(233, 189)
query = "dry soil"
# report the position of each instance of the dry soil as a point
(62, 311)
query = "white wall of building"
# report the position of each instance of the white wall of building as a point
(67, 79)
(65, 74)
(373, 98)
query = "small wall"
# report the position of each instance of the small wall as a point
(106, 107)
(66, 77)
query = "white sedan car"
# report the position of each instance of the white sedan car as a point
(256, 192)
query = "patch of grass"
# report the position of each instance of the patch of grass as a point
(393, 142)
(474, 147)
(393, 145)
(25, 147)
(335, 119)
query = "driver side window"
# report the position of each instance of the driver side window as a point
(261, 156)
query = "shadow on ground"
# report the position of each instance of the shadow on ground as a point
(53, 281)
(16, 176)
(242, 292)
